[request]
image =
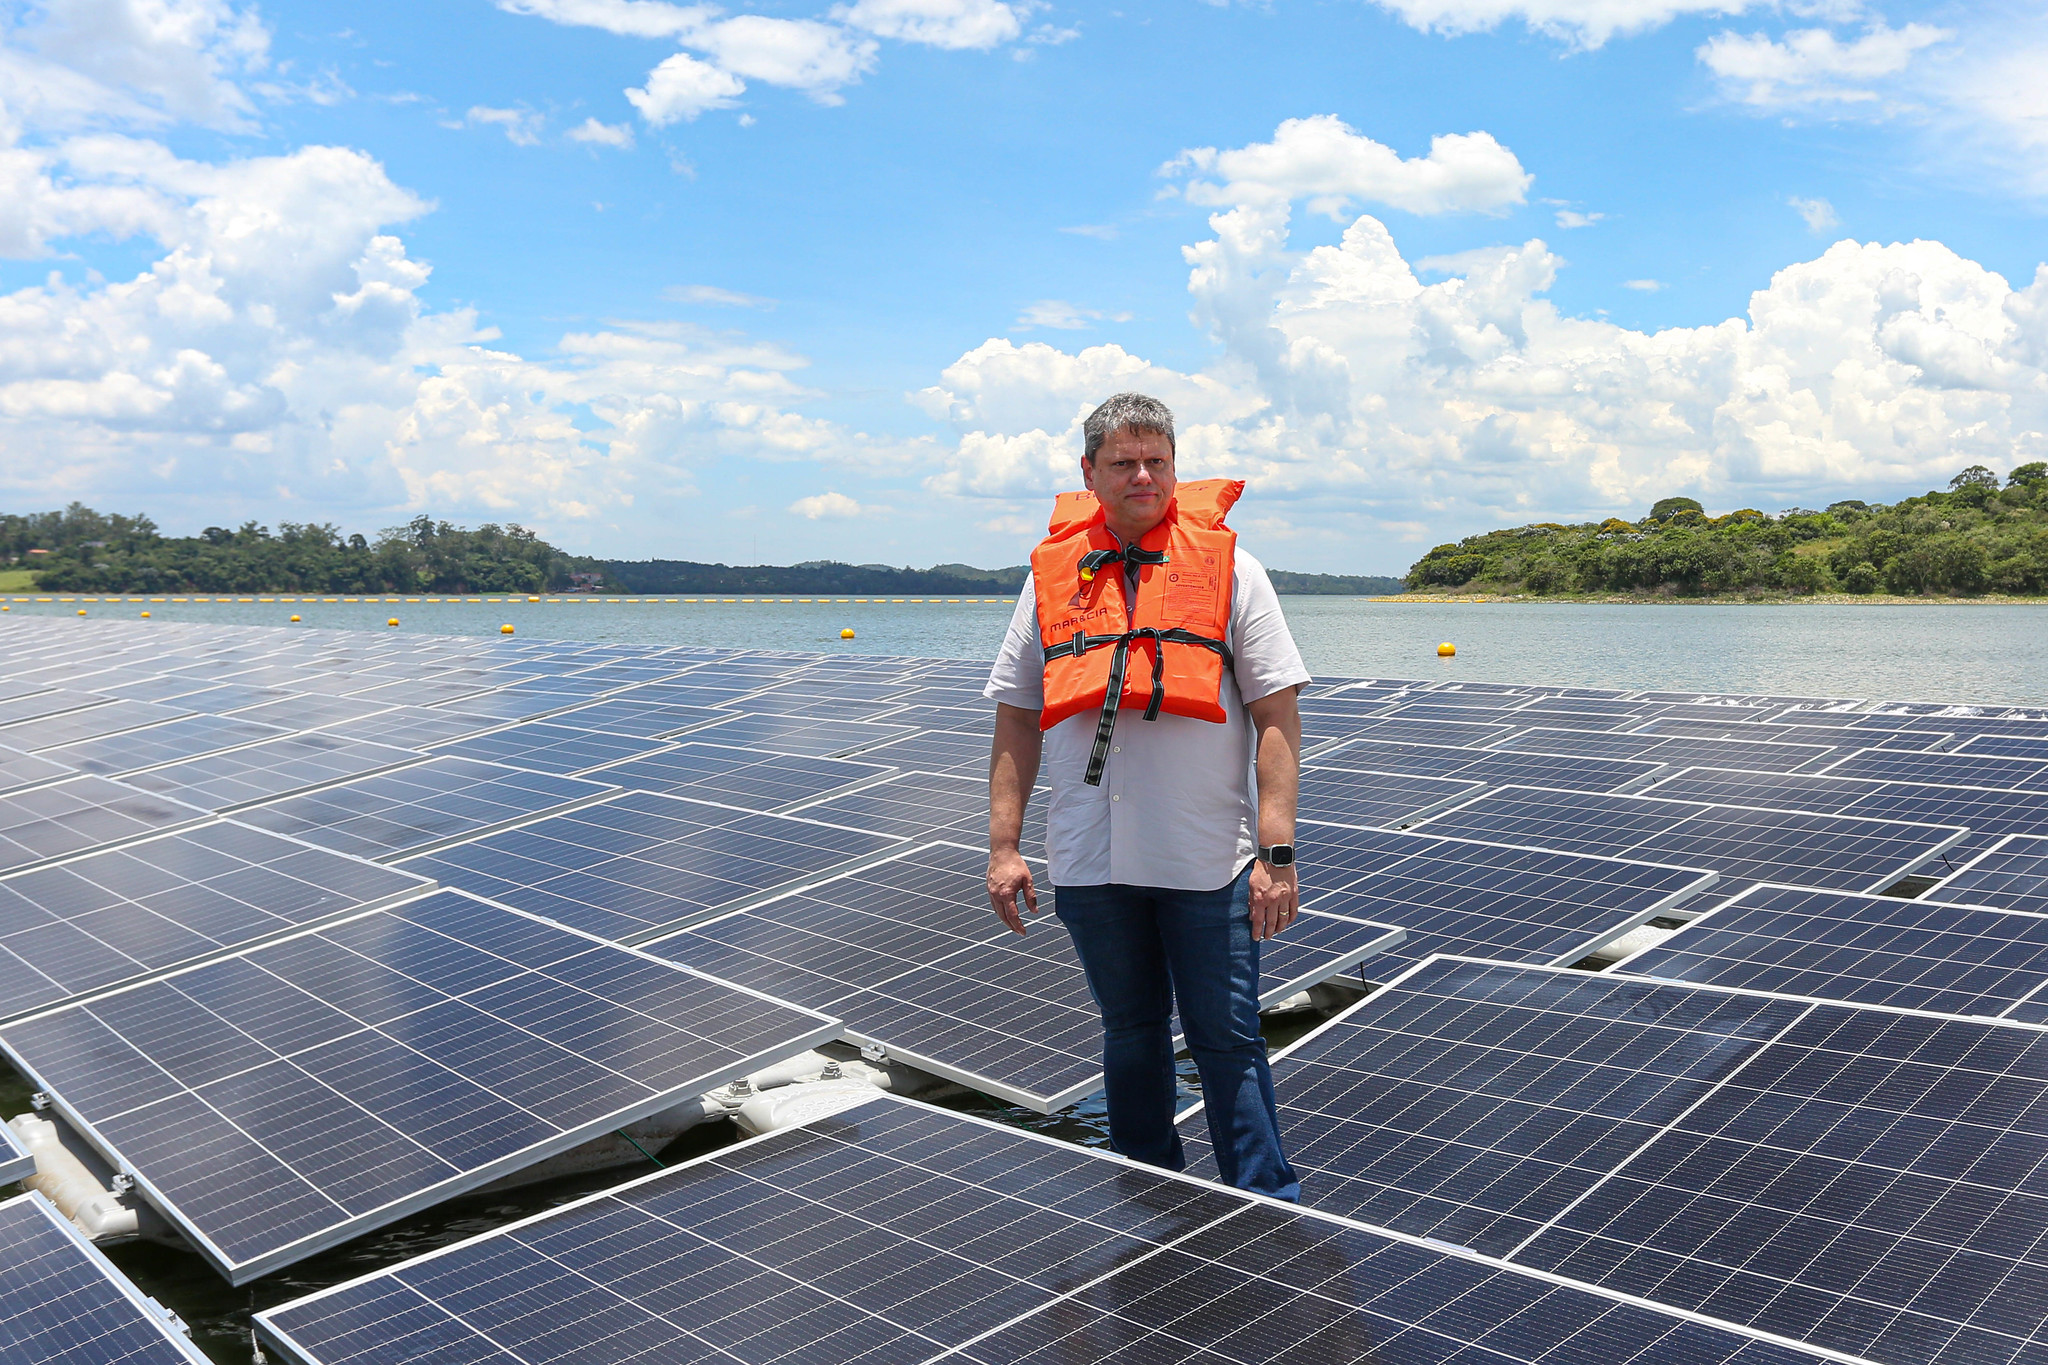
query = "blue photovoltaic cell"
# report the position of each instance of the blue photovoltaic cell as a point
(936, 751)
(411, 727)
(68, 817)
(800, 734)
(907, 952)
(1872, 950)
(976, 1243)
(96, 921)
(306, 711)
(1401, 731)
(1590, 744)
(1744, 845)
(408, 810)
(550, 747)
(1425, 760)
(274, 768)
(2013, 875)
(1515, 904)
(739, 777)
(1956, 770)
(1349, 796)
(804, 704)
(63, 1303)
(37, 702)
(190, 737)
(1474, 1102)
(640, 863)
(281, 1100)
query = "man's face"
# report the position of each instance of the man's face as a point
(1132, 476)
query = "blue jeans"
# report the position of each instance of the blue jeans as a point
(1144, 947)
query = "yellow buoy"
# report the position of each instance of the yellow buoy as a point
(145, 616)
(1443, 651)
(81, 611)
(846, 634)
(505, 629)
(533, 599)
(295, 618)
(392, 622)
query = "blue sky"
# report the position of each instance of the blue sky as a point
(808, 280)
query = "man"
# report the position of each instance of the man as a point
(1153, 653)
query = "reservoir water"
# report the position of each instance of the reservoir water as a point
(1960, 651)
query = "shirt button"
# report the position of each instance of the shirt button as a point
(1116, 748)
(1116, 798)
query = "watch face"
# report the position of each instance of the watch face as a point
(1279, 855)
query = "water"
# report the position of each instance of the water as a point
(1962, 651)
(1951, 651)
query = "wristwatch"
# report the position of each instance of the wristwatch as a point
(1277, 855)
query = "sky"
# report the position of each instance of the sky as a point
(839, 280)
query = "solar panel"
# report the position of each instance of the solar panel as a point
(1744, 845)
(2013, 874)
(912, 958)
(29, 705)
(414, 809)
(265, 771)
(547, 747)
(93, 922)
(1402, 731)
(923, 806)
(64, 1303)
(2006, 746)
(1846, 1175)
(1955, 770)
(1878, 950)
(739, 777)
(19, 770)
(1581, 773)
(306, 711)
(299, 1093)
(647, 719)
(411, 727)
(1578, 742)
(1352, 796)
(1516, 904)
(152, 746)
(1474, 1103)
(47, 732)
(641, 863)
(62, 818)
(992, 1246)
(1372, 755)
(799, 734)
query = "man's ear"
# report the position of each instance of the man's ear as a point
(1088, 473)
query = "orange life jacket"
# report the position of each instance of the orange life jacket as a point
(1087, 626)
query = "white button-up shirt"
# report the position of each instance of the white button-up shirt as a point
(1176, 807)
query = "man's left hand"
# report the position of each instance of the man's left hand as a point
(1276, 899)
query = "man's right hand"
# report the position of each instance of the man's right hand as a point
(1008, 876)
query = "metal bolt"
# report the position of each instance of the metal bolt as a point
(832, 1072)
(742, 1086)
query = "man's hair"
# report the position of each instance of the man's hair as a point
(1134, 411)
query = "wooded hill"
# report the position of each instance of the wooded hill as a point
(81, 550)
(1979, 536)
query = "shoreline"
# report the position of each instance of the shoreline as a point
(1829, 599)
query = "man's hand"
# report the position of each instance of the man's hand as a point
(1009, 875)
(1276, 898)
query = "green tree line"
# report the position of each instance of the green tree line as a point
(1980, 535)
(88, 551)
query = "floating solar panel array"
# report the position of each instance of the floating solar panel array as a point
(63, 1303)
(296, 1094)
(894, 1232)
(1849, 1176)
(907, 953)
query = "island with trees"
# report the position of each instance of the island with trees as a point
(1981, 536)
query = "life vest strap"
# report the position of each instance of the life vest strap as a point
(1095, 559)
(1119, 664)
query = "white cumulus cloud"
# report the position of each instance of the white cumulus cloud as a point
(1818, 214)
(1812, 66)
(1064, 316)
(683, 87)
(1581, 23)
(937, 23)
(521, 126)
(827, 506)
(1332, 166)
(1380, 407)
(603, 134)
(627, 18)
(798, 54)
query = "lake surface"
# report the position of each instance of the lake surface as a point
(1953, 651)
